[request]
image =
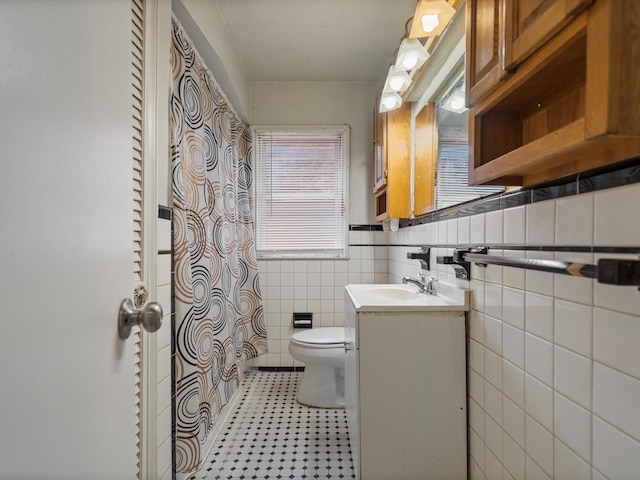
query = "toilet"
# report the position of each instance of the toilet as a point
(322, 351)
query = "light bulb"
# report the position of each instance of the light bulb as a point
(430, 22)
(396, 83)
(409, 61)
(389, 102)
(457, 103)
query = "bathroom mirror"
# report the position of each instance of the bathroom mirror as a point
(452, 169)
(439, 96)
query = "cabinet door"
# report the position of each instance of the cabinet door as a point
(379, 156)
(398, 161)
(426, 139)
(530, 23)
(485, 52)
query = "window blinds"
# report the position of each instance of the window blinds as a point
(452, 186)
(301, 177)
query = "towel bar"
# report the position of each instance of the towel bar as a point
(612, 271)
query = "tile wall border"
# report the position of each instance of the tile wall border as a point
(628, 174)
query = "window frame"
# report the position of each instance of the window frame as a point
(340, 253)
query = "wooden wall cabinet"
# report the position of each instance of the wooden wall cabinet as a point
(485, 63)
(530, 23)
(379, 158)
(570, 105)
(392, 162)
(501, 34)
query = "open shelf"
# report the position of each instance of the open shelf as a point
(569, 108)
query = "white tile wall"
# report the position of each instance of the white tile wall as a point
(575, 289)
(622, 411)
(573, 326)
(317, 286)
(573, 376)
(568, 464)
(477, 229)
(513, 422)
(541, 223)
(572, 426)
(514, 226)
(513, 383)
(538, 399)
(615, 454)
(513, 345)
(574, 220)
(610, 225)
(163, 351)
(538, 358)
(513, 457)
(539, 442)
(494, 227)
(554, 361)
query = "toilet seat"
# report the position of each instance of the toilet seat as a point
(325, 337)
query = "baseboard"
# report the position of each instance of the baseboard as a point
(279, 369)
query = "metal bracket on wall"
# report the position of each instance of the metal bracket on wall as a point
(459, 263)
(424, 256)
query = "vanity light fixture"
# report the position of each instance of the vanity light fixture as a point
(455, 103)
(389, 101)
(431, 18)
(411, 55)
(396, 81)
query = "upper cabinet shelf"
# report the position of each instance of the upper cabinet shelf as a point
(554, 87)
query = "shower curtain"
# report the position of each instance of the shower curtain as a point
(219, 319)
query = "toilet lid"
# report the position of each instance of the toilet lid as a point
(320, 336)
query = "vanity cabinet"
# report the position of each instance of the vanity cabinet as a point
(392, 162)
(405, 393)
(570, 103)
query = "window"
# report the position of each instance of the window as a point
(301, 191)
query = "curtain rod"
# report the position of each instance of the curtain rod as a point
(176, 22)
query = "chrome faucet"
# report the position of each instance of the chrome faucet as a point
(418, 283)
(426, 285)
(430, 288)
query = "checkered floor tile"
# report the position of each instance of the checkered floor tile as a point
(271, 436)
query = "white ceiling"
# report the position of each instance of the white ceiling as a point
(316, 40)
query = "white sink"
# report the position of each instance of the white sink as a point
(394, 292)
(400, 297)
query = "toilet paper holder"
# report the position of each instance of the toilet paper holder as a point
(302, 320)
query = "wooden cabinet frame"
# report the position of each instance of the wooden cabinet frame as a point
(570, 107)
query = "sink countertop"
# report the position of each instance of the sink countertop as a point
(406, 298)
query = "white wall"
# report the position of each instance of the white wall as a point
(317, 286)
(311, 103)
(553, 361)
(203, 23)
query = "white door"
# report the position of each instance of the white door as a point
(66, 380)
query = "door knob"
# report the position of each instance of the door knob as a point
(149, 317)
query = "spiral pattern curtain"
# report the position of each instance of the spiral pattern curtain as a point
(219, 315)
